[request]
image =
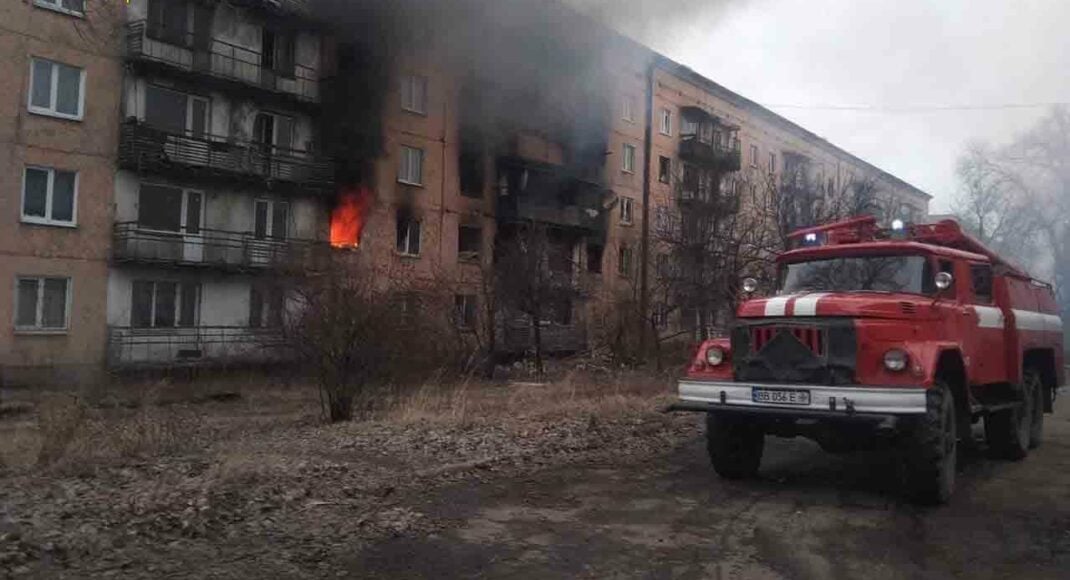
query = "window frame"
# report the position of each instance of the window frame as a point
(57, 6)
(54, 91)
(627, 211)
(664, 169)
(624, 260)
(183, 217)
(627, 109)
(665, 127)
(461, 305)
(628, 151)
(403, 179)
(754, 153)
(39, 315)
(409, 82)
(180, 287)
(407, 251)
(982, 299)
(270, 225)
(49, 194)
(469, 255)
(772, 162)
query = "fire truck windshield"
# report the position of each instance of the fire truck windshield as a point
(909, 274)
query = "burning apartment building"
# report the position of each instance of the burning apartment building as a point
(229, 138)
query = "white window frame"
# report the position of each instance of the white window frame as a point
(37, 328)
(628, 158)
(404, 163)
(51, 111)
(754, 155)
(57, 6)
(179, 289)
(627, 109)
(666, 122)
(407, 251)
(183, 218)
(409, 101)
(47, 220)
(772, 162)
(269, 225)
(626, 210)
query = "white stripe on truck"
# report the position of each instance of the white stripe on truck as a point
(1037, 321)
(807, 305)
(777, 306)
(989, 317)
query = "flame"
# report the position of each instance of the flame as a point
(349, 217)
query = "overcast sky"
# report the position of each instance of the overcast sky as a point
(885, 54)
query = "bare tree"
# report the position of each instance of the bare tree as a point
(991, 202)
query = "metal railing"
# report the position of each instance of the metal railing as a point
(146, 148)
(198, 345)
(200, 54)
(216, 249)
(726, 155)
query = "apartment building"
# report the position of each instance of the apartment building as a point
(162, 168)
(59, 125)
(221, 178)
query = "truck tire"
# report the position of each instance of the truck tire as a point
(1009, 432)
(735, 446)
(1035, 384)
(931, 458)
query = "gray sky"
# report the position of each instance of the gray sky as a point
(885, 54)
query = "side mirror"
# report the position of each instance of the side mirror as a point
(750, 285)
(944, 280)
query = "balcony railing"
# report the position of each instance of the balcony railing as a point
(198, 345)
(146, 148)
(216, 249)
(542, 193)
(196, 54)
(724, 156)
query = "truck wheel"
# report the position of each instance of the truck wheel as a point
(1035, 385)
(1009, 432)
(931, 454)
(735, 446)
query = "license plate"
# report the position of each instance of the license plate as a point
(780, 396)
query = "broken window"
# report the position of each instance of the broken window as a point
(278, 52)
(664, 169)
(469, 242)
(408, 234)
(472, 172)
(594, 258)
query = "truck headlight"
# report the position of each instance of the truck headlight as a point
(896, 360)
(714, 356)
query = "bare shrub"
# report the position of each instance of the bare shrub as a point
(59, 419)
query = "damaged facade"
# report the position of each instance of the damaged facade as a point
(211, 149)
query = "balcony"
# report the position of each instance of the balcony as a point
(548, 194)
(228, 66)
(721, 156)
(194, 346)
(146, 149)
(229, 251)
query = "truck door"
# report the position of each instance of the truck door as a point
(988, 361)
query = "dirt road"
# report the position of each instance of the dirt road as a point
(811, 515)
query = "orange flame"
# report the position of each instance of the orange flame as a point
(349, 217)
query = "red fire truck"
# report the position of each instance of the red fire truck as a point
(906, 336)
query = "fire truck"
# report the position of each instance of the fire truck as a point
(903, 337)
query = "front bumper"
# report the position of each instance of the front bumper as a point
(825, 401)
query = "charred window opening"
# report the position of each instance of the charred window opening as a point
(465, 311)
(408, 234)
(278, 52)
(472, 172)
(664, 169)
(594, 258)
(469, 242)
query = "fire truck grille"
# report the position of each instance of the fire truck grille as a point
(811, 351)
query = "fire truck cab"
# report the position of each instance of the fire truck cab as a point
(903, 337)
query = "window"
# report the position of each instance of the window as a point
(465, 310)
(42, 303)
(772, 162)
(689, 128)
(56, 89)
(754, 156)
(414, 94)
(265, 307)
(408, 235)
(275, 133)
(270, 219)
(411, 168)
(277, 52)
(628, 161)
(624, 261)
(594, 258)
(626, 210)
(75, 7)
(48, 196)
(177, 112)
(469, 242)
(472, 174)
(627, 109)
(664, 169)
(164, 304)
(981, 280)
(169, 209)
(666, 122)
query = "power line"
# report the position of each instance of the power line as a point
(918, 108)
